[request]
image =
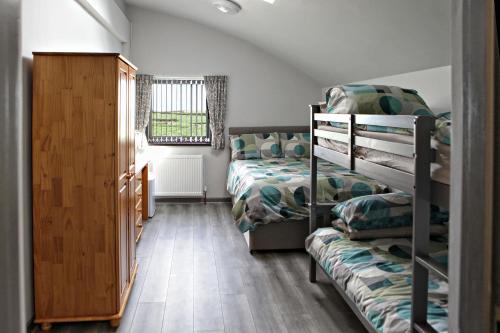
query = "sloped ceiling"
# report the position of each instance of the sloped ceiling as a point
(334, 41)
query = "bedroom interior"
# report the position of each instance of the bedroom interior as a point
(249, 166)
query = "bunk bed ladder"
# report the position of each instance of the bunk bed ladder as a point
(315, 209)
(422, 263)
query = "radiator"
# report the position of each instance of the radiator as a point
(179, 176)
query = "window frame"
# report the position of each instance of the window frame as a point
(163, 140)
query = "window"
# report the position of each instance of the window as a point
(178, 112)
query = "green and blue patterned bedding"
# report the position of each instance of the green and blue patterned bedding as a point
(443, 128)
(255, 146)
(376, 99)
(376, 275)
(275, 190)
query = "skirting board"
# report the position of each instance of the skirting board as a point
(190, 200)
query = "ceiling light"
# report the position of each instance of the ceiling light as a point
(227, 6)
(270, 1)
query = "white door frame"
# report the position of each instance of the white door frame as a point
(12, 300)
(472, 160)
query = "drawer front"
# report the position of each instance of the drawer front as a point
(138, 228)
(138, 198)
(138, 209)
(138, 221)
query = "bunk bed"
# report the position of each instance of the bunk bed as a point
(422, 264)
(270, 195)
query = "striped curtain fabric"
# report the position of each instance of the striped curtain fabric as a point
(144, 84)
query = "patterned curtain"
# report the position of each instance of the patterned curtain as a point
(144, 84)
(216, 87)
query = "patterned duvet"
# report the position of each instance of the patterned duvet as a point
(376, 275)
(274, 190)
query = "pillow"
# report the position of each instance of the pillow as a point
(443, 128)
(378, 100)
(255, 146)
(295, 145)
(353, 234)
(381, 211)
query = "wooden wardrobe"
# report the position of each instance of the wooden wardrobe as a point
(84, 198)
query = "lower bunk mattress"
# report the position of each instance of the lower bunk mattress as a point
(376, 276)
(277, 190)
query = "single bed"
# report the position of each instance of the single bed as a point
(270, 196)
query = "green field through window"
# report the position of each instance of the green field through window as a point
(178, 124)
(178, 112)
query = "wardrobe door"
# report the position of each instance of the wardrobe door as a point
(131, 165)
(123, 241)
(123, 138)
(131, 226)
(123, 182)
(131, 118)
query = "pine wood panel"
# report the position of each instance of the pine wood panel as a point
(131, 227)
(123, 165)
(138, 205)
(145, 192)
(123, 272)
(131, 119)
(73, 174)
(81, 201)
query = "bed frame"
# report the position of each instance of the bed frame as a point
(424, 190)
(286, 235)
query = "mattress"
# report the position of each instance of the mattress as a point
(440, 168)
(277, 190)
(376, 276)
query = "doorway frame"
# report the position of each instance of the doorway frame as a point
(472, 172)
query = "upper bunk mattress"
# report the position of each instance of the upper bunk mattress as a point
(275, 190)
(376, 276)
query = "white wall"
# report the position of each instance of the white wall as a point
(48, 25)
(263, 90)
(122, 5)
(110, 16)
(434, 85)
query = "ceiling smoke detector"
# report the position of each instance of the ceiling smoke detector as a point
(227, 6)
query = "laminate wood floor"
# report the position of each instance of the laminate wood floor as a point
(196, 275)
